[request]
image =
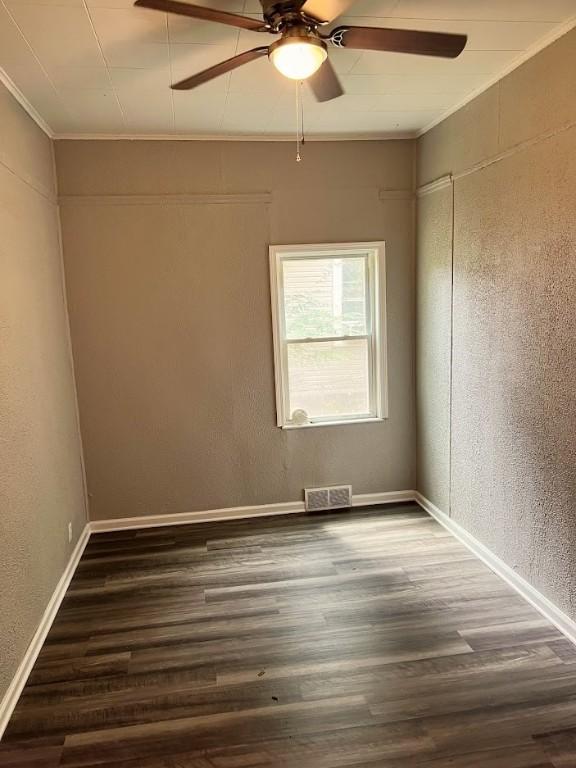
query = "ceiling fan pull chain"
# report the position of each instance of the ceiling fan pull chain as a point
(303, 140)
(298, 108)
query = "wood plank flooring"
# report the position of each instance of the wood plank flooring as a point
(359, 639)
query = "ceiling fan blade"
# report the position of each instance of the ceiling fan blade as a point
(220, 69)
(325, 84)
(325, 11)
(206, 14)
(399, 41)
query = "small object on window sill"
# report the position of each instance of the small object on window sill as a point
(299, 417)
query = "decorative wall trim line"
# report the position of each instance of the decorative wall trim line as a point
(523, 145)
(261, 198)
(544, 42)
(31, 182)
(542, 604)
(374, 136)
(395, 194)
(12, 695)
(435, 186)
(11, 86)
(239, 513)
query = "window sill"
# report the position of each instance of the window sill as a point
(369, 420)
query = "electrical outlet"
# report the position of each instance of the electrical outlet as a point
(69, 532)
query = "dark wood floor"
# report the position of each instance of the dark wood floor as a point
(355, 639)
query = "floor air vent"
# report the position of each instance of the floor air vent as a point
(335, 497)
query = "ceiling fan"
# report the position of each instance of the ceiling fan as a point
(302, 50)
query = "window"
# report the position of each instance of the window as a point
(328, 335)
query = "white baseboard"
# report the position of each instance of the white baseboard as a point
(12, 695)
(390, 497)
(203, 516)
(546, 607)
(238, 513)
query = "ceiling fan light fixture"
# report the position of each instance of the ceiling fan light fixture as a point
(298, 57)
(301, 52)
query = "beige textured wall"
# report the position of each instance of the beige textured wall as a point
(170, 316)
(513, 452)
(41, 486)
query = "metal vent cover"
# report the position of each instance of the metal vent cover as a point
(333, 497)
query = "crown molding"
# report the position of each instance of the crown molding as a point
(529, 53)
(12, 88)
(232, 137)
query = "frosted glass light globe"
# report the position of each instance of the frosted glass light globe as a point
(299, 59)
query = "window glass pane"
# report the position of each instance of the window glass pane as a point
(329, 378)
(324, 297)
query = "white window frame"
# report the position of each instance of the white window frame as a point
(374, 252)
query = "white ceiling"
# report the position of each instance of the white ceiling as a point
(103, 67)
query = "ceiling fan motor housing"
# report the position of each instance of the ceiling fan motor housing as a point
(298, 34)
(282, 15)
